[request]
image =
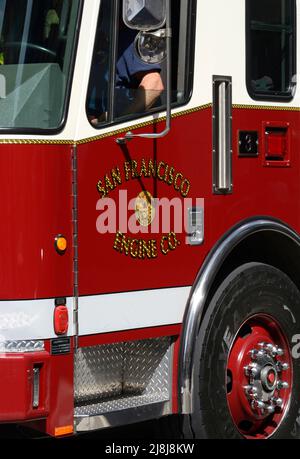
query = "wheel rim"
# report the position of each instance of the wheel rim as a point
(259, 377)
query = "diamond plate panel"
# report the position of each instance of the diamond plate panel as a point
(146, 365)
(98, 372)
(12, 347)
(130, 372)
(115, 405)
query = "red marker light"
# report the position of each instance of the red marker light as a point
(61, 320)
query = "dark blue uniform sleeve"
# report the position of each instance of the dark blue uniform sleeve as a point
(129, 65)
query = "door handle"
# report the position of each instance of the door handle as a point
(222, 134)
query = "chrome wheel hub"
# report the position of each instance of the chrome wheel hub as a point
(265, 373)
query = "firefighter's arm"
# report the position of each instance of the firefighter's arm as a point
(150, 88)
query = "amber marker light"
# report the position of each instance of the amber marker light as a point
(61, 244)
(62, 431)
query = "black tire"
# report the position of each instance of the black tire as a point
(251, 289)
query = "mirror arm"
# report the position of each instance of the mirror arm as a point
(129, 135)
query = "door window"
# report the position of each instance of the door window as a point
(124, 87)
(271, 49)
(36, 51)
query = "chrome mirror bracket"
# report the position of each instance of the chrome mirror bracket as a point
(129, 135)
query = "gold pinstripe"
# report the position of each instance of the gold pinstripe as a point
(139, 125)
(266, 107)
(35, 142)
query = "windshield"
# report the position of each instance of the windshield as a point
(36, 47)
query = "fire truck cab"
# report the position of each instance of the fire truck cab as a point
(150, 204)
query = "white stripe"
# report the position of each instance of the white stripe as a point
(30, 320)
(127, 311)
(33, 319)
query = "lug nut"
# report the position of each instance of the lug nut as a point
(270, 409)
(248, 389)
(279, 351)
(278, 401)
(254, 353)
(261, 353)
(251, 392)
(247, 370)
(258, 405)
(253, 371)
(270, 348)
(283, 366)
(282, 385)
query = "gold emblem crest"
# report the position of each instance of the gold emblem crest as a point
(144, 208)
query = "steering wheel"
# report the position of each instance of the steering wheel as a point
(33, 46)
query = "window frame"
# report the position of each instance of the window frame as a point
(289, 95)
(189, 77)
(66, 104)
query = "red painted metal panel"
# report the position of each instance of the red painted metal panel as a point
(56, 399)
(257, 190)
(16, 386)
(101, 268)
(35, 206)
(61, 393)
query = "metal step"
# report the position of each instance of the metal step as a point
(122, 411)
(119, 404)
(122, 383)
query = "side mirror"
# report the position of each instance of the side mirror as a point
(144, 14)
(151, 47)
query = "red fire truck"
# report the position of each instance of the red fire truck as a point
(150, 234)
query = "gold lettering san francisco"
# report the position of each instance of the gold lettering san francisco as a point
(133, 170)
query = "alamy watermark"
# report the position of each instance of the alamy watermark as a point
(145, 214)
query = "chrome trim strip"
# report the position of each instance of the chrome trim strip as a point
(201, 288)
(124, 417)
(36, 387)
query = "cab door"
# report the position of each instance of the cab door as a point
(136, 261)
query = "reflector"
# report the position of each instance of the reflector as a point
(61, 244)
(61, 320)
